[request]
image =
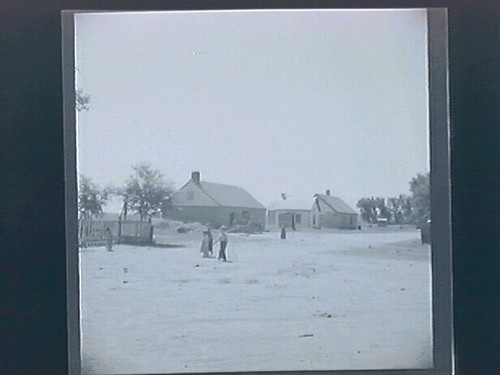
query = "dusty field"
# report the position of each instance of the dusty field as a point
(318, 301)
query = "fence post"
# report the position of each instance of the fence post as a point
(119, 239)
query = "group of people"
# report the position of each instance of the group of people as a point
(207, 244)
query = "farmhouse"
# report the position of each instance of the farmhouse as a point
(215, 204)
(291, 213)
(332, 212)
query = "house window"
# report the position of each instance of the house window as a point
(314, 219)
(246, 215)
(297, 218)
(190, 195)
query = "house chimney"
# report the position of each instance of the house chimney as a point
(328, 193)
(195, 176)
(283, 196)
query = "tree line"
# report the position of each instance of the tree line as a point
(403, 209)
(145, 193)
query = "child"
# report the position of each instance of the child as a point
(109, 240)
(204, 249)
(210, 241)
(223, 244)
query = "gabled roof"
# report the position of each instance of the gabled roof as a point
(291, 204)
(336, 204)
(229, 195)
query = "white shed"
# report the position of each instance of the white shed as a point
(291, 213)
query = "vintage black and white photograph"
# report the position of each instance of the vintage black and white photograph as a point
(253, 191)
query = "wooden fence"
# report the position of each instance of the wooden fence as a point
(92, 232)
(135, 232)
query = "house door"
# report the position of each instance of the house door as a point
(231, 219)
(285, 219)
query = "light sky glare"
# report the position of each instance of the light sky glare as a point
(292, 102)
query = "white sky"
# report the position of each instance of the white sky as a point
(273, 101)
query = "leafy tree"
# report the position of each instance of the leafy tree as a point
(146, 192)
(365, 206)
(403, 209)
(373, 208)
(90, 199)
(420, 198)
(382, 209)
(399, 208)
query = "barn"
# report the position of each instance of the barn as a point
(291, 213)
(215, 204)
(332, 212)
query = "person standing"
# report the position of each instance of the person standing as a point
(204, 249)
(223, 244)
(283, 232)
(210, 241)
(109, 240)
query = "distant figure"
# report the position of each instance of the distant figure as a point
(204, 249)
(109, 240)
(210, 241)
(283, 232)
(223, 244)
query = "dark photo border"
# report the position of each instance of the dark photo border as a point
(32, 204)
(440, 196)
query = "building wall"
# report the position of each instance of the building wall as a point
(273, 218)
(338, 220)
(326, 218)
(217, 216)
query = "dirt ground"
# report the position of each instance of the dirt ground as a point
(317, 301)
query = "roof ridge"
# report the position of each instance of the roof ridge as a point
(325, 197)
(331, 196)
(218, 183)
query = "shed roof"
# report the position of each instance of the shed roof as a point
(336, 204)
(291, 204)
(230, 195)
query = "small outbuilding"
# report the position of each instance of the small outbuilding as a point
(290, 213)
(215, 204)
(332, 212)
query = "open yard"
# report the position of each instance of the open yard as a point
(317, 301)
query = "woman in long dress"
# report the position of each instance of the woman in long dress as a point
(204, 249)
